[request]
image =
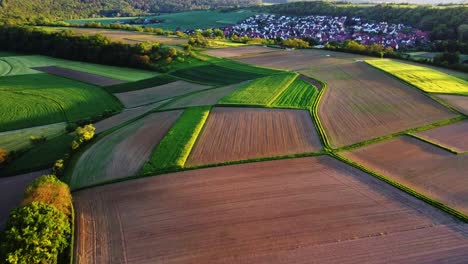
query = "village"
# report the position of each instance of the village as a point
(325, 29)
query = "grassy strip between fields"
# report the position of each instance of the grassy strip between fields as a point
(404, 188)
(314, 112)
(409, 131)
(174, 149)
(433, 143)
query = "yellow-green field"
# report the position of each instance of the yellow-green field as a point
(424, 78)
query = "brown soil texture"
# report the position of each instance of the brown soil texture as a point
(423, 167)
(307, 210)
(122, 153)
(124, 116)
(363, 103)
(457, 101)
(312, 81)
(454, 136)
(241, 51)
(232, 134)
(79, 75)
(129, 37)
(158, 93)
(12, 191)
(209, 97)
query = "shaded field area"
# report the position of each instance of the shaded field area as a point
(123, 152)
(232, 134)
(454, 136)
(265, 212)
(262, 91)
(424, 78)
(158, 93)
(141, 84)
(423, 167)
(79, 76)
(209, 97)
(39, 99)
(241, 51)
(12, 191)
(457, 101)
(19, 139)
(363, 103)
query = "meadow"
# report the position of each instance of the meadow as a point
(424, 78)
(20, 139)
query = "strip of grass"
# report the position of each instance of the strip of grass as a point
(426, 79)
(174, 149)
(40, 99)
(433, 143)
(142, 84)
(404, 188)
(262, 91)
(300, 94)
(316, 119)
(40, 157)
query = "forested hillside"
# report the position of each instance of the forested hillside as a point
(37, 10)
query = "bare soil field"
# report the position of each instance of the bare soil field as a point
(454, 136)
(307, 210)
(209, 97)
(423, 167)
(232, 134)
(124, 116)
(129, 37)
(457, 101)
(12, 191)
(79, 75)
(158, 93)
(123, 152)
(362, 103)
(241, 51)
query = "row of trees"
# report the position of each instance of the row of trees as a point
(352, 46)
(96, 48)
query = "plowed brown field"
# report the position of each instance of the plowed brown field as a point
(79, 75)
(232, 134)
(12, 191)
(158, 93)
(308, 210)
(457, 101)
(241, 51)
(454, 136)
(421, 166)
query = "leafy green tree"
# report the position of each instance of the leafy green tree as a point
(35, 234)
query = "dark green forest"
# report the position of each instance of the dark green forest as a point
(39, 11)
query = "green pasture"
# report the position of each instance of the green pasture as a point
(300, 94)
(424, 78)
(20, 139)
(174, 149)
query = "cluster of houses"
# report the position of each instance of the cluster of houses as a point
(326, 29)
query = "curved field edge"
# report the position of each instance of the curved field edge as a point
(173, 150)
(299, 95)
(459, 215)
(447, 78)
(316, 119)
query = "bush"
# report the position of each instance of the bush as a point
(59, 166)
(83, 134)
(36, 233)
(37, 139)
(50, 190)
(3, 156)
(295, 43)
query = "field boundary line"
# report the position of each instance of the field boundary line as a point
(315, 117)
(434, 143)
(194, 138)
(457, 214)
(279, 93)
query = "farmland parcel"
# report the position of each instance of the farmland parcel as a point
(266, 212)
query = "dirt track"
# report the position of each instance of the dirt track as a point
(12, 191)
(308, 210)
(232, 133)
(454, 136)
(421, 166)
(158, 93)
(79, 76)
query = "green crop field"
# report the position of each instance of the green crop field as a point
(222, 73)
(20, 65)
(20, 139)
(424, 78)
(40, 157)
(183, 20)
(174, 149)
(300, 94)
(142, 84)
(262, 91)
(40, 99)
